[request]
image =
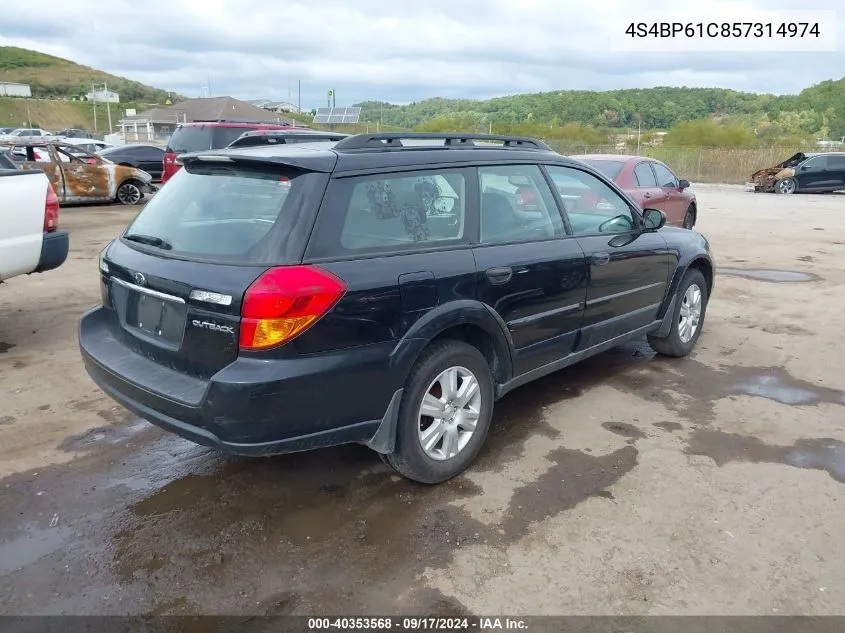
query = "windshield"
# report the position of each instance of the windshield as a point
(196, 138)
(224, 213)
(609, 168)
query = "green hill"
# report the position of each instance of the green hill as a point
(819, 109)
(51, 77)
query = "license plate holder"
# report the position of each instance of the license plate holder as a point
(157, 317)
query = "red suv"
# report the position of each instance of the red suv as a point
(195, 137)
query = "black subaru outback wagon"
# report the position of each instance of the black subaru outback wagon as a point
(382, 290)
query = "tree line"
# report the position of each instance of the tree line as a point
(692, 116)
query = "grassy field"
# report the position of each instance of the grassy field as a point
(57, 115)
(730, 165)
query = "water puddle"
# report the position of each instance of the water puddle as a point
(103, 435)
(775, 387)
(35, 543)
(773, 276)
(814, 454)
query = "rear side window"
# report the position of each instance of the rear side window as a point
(610, 168)
(196, 138)
(392, 212)
(644, 175)
(228, 214)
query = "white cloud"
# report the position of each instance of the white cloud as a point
(400, 51)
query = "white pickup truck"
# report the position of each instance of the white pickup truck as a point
(30, 241)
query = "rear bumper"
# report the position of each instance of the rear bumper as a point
(54, 250)
(250, 407)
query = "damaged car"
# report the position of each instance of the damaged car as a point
(802, 173)
(78, 176)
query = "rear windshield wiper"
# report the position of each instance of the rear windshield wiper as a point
(150, 240)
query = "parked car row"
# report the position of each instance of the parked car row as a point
(79, 176)
(382, 289)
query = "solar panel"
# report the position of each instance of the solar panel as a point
(335, 116)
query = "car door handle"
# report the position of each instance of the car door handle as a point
(600, 259)
(500, 275)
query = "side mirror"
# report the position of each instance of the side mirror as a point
(683, 184)
(653, 219)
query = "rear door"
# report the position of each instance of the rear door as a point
(83, 181)
(648, 194)
(177, 276)
(529, 272)
(628, 268)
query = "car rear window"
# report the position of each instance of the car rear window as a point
(196, 138)
(228, 214)
(609, 168)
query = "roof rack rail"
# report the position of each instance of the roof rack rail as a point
(450, 139)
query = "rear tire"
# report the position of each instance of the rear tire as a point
(431, 449)
(687, 318)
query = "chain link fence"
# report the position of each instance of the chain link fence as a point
(730, 165)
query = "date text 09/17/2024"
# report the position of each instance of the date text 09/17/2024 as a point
(724, 29)
(418, 624)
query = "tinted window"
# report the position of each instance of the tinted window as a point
(835, 162)
(6, 162)
(816, 162)
(227, 213)
(609, 168)
(644, 175)
(591, 205)
(517, 205)
(665, 178)
(392, 212)
(195, 138)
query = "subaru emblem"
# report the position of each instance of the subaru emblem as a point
(139, 279)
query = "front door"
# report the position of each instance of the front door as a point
(529, 272)
(675, 202)
(647, 193)
(628, 267)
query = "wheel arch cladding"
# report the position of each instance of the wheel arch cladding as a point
(706, 268)
(468, 321)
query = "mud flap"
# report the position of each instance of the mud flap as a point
(384, 439)
(666, 325)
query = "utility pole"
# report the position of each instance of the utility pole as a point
(299, 95)
(94, 101)
(639, 130)
(108, 104)
(209, 86)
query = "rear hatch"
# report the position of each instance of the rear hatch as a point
(198, 138)
(175, 280)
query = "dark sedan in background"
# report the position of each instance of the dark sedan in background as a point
(147, 158)
(651, 183)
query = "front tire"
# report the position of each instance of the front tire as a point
(129, 193)
(786, 186)
(687, 319)
(445, 413)
(689, 217)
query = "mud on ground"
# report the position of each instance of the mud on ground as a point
(628, 484)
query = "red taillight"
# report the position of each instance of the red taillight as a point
(284, 302)
(51, 210)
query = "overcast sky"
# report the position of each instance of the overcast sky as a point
(400, 50)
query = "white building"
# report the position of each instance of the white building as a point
(104, 96)
(14, 90)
